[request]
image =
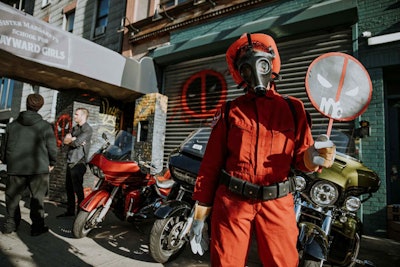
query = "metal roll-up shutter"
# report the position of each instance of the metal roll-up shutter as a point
(194, 93)
(297, 55)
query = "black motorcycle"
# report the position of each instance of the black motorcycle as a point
(170, 232)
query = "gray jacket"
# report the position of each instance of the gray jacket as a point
(78, 150)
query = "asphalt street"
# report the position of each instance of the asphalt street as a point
(119, 243)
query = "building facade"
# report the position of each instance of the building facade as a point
(188, 40)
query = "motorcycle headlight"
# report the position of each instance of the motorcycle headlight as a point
(183, 176)
(324, 193)
(97, 172)
(352, 204)
(300, 183)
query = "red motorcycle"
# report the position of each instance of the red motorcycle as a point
(127, 187)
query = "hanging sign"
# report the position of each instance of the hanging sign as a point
(28, 37)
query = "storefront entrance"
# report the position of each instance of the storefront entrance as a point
(392, 84)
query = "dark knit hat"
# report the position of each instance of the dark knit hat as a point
(34, 102)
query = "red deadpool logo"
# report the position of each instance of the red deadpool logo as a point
(209, 87)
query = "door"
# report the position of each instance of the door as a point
(392, 84)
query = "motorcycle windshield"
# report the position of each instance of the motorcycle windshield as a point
(345, 143)
(195, 144)
(122, 147)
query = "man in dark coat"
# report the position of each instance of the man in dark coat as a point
(30, 152)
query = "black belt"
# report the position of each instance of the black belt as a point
(253, 191)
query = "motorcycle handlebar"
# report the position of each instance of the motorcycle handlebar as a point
(147, 166)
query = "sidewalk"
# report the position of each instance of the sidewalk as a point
(120, 243)
(117, 243)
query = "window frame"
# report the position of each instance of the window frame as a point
(6, 93)
(101, 17)
(171, 3)
(45, 3)
(68, 24)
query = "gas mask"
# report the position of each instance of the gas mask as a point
(255, 67)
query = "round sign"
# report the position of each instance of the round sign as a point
(338, 86)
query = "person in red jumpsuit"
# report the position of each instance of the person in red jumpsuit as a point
(244, 176)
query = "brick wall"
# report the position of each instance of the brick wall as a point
(375, 208)
(57, 177)
(150, 111)
(378, 17)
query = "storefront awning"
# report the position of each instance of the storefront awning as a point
(324, 15)
(36, 52)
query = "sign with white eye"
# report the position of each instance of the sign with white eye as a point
(338, 86)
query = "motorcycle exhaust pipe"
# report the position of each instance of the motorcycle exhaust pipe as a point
(365, 263)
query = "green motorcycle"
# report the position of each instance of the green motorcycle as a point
(326, 205)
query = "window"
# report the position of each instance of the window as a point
(143, 131)
(170, 3)
(69, 21)
(142, 10)
(69, 16)
(18, 4)
(103, 9)
(45, 3)
(6, 92)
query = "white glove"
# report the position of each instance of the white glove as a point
(326, 150)
(321, 154)
(199, 237)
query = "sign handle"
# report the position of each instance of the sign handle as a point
(329, 130)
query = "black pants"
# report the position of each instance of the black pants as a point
(15, 187)
(74, 185)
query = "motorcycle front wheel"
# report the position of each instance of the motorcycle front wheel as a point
(85, 222)
(308, 261)
(164, 238)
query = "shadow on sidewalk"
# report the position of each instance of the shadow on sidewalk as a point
(44, 250)
(132, 240)
(114, 240)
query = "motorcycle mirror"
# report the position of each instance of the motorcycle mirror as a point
(104, 136)
(338, 86)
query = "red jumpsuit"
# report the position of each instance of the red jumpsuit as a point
(258, 147)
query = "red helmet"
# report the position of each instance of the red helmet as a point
(260, 42)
